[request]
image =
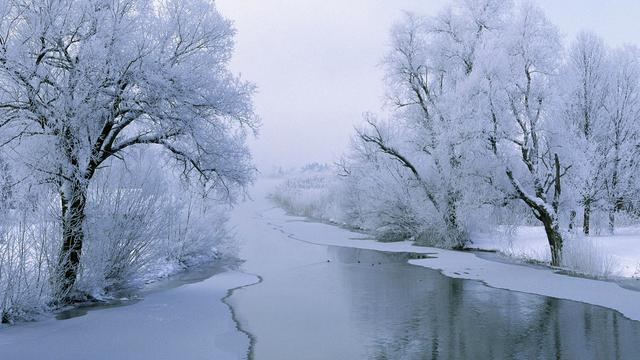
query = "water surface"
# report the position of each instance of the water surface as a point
(323, 302)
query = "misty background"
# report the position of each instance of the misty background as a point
(316, 63)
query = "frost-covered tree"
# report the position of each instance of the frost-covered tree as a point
(430, 60)
(584, 90)
(623, 133)
(385, 190)
(474, 94)
(6, 183)
(492, 121)
(517, 71)
(85, 81)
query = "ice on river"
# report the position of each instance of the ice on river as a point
(188, 322)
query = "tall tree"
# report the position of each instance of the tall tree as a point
(430, 59)
(516, 73)
(584, 85)
(82, 81)
(623, 134)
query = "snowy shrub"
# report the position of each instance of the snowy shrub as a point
(584, 255)
(122, 228)
(194, 229)
(143, 224)
(314, 192)
(359, 200)
(317, 192)
(28, 248)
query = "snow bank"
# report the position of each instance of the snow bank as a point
(465, 265)
(318, 195)
(189, 322)
(600, 255)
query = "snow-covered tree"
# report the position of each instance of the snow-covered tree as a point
(430, 61)
(85, 81)
(474, 90)
(623, 133)
(6, 183)
(518, 69)
(584, 90)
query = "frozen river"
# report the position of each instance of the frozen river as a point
(326, 302)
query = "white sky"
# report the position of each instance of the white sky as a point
(315, 63)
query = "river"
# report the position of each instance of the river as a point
(301, 301)
(328, 302)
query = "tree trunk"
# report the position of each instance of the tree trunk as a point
(618, 205)
(612, 221)
(550, 221)
(554, 237)
(548, 218)
(73, 203)
(572, 220)
(586, 218)
(451, 221)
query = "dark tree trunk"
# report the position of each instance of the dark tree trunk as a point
(586, 217)
(451, 221)
(572, 220)
(617, 206)
(551, 225)
(554, 237)
(612, 221)
(548, 217)
(73, 203)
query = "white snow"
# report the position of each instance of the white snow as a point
(523, 278)
(188, 322)
(191, 321)
(615, 255)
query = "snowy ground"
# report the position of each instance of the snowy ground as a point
(517, 277)
(188, 322)
(602, 255)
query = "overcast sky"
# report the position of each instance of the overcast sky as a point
(315, 63)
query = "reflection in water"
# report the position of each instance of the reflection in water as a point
(342, 303)
(409, 312)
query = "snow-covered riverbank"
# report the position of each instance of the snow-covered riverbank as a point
(188, 322)
(319, 194)
(528, 279)
(611, 256)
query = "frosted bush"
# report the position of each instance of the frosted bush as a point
(194, 229)
(122, 229)
(584, 255)
(143, 224)
(28, 240)
(390, 213)
(312, 194)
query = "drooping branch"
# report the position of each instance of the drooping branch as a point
(379, 141)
